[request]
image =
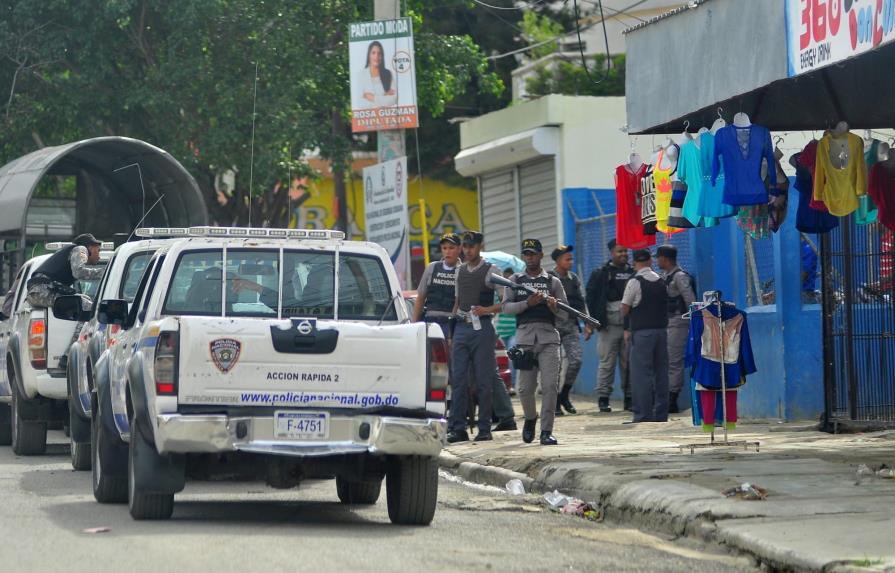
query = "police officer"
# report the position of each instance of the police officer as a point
(435, 297)
(57, 275)
(604, 294)
(536, 334)
(681, 293)
(473, 341)
(645, 303)
(569, 328)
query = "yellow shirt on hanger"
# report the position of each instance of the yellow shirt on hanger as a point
(662, 177)
(839, 189)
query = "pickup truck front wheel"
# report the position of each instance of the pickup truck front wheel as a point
(29, 437)
(358, 492)
(143, 504)
(5, 425)
(412, 490)
(109, 479)
(80, 450)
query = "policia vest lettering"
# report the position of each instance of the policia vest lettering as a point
(471, 287)
(440, 290)
(538, 313)
(652, 312)
(58, 267)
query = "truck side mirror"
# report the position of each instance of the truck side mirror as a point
(112, 311)
(70, 307)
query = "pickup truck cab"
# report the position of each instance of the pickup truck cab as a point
(33, 347)
(287, 354)
(123, 273)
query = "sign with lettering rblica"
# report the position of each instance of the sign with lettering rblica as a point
(383, 80)
(824, 32)
(385, 210)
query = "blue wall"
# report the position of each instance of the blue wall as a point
(786, 337)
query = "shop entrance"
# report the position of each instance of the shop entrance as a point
(859, 324)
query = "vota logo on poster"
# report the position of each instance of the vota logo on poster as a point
(823, 32)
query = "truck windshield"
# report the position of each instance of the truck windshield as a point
(130, 280)
(254, 277)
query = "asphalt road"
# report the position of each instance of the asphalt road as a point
(45, 508)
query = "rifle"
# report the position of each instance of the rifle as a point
(500, 281)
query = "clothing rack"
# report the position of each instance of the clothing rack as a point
(713, 298)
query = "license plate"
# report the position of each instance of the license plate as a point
(301, 425)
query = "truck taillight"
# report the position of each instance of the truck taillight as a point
(166, 364)
(37, 342)
(438, 370)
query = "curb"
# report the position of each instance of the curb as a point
(674, 508)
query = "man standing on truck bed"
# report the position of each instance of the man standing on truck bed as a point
(473, 341)
(435, 297)
(57, 275)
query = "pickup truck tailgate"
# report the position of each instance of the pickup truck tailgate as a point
(301, 363)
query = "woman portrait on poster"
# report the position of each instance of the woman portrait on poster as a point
(377, 82)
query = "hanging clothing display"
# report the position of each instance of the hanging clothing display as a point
(707, 409)
(703, 205)
(662, 175)
(839, 185)
(882, 191)
(808, 160)
(703, 347)
(867, 212)
(676, 219)
(809, 220)
(648, 202)
(755, 220)
(628, 222)
(739, 151)
(778, 195)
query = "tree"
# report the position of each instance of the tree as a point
(182, 75)
(568, 76)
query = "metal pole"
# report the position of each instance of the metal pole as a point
(424, 225)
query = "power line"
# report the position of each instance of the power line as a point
(581, 44)
(510, 8)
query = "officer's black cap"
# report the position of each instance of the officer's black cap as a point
(561, 250)
(86, 240)
(532, 246)
(452, 238)
(473, 238)
(642, 256)
(668, 251)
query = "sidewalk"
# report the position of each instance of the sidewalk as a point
(815, 517)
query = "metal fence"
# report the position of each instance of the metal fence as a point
(859, 324)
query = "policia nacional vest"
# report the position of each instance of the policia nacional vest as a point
(471, 287)
(58, 267)
(440, 290)
(538, 313)
(652, 312)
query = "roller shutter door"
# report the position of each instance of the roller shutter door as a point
(537, 185)
(498, 204)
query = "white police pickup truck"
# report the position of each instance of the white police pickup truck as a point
(278, 354)
(120, 281)
(33, 345)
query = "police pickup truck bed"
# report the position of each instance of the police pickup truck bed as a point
(282, 354)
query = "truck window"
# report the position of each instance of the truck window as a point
(23, 286)
(133, 271)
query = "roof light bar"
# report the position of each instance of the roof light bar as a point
(263, 233)
(55, 246)
(161, 232)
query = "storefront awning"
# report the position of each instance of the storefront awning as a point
(732, 55)
(506, 151)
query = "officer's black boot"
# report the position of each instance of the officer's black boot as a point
(547, 439)
(672, 403)
(629, 404)
(528, 430)
(564, 401)
(604, 405)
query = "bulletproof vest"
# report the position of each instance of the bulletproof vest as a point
(541, 312)
(58, 266)
(440, 290)
(618, 278)
(676, 304)
(652, 312)
(572, 285)
(471, 287)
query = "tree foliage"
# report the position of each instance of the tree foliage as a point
(181, 75)
(567, 76)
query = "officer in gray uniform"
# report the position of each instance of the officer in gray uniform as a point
(569, 328)
(473, 341)
(681, 293)
(57, 275)
(536, 335)
(435, 297)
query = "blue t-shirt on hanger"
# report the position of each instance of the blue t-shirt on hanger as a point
(739, 151)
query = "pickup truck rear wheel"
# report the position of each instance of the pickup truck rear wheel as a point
(29, 437)
(5, 425)
(358, 492)
(109, 479)
(144, 505)
(412, 490)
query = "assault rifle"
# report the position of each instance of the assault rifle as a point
(500, 281)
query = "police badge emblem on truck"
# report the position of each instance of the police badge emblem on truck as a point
(225, 353)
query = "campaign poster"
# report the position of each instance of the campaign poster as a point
(383, 80)
(823, 32)
(385, 211)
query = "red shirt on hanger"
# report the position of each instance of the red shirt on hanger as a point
(881, 188)
(628, 222)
